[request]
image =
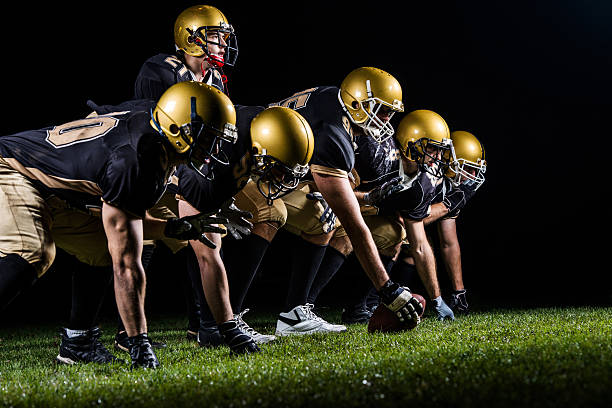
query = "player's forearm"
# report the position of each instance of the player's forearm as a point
(426, 268)
(366, 252)
(451, 256)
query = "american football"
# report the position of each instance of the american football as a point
(384, 320)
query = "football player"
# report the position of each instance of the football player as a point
(274, 147)
(462, 180)
(122, 160)
(396, 207)
(205, 43)
(361, 107)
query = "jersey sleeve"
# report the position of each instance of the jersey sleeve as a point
(203, 194)
(333, 151)
(127, 186)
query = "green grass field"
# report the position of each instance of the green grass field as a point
(511, 358)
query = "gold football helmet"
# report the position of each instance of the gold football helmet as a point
(196, 119)
(370, 97)
(424, 137)
(470, 164)
(191, 34)
(283, 144)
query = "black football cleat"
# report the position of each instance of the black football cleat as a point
(355, 315)
(85, 348)
(141, 352)
(238, 341)
(209, 336)
(122, 342)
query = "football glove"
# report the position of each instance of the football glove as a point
(237, 224)
(194, 227)
(238, 341)
(458, 302)
(142, 353)
(456, 199)
(328, 218)
(383, 191)
(400, 301)
(444, 312)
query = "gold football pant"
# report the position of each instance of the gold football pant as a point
(303, 214)
(250, 199)
(25, 220)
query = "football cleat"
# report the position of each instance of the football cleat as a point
(85, 348)
(258, 337)
(238, 341)
(122, 342)
(302, 320)
(192, 335)
(356, 314)
(209, 335)
(141, 352)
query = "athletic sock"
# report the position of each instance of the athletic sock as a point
(331, 263)
(405, 274)
(242, 259)
(16, 275)
(305, 261)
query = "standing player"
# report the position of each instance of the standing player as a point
(271, 156)
(360, 107)
(205, 43)
(122, 160)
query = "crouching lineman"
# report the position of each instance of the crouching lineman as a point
(270, 157)
(395, 191)
(463, 178)
(122, 160)
(361, 107)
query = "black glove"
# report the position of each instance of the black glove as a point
(399, 300)
(383, 191)
(328, 218)
(458, 302)
(237, 222)
(194, 227)
(456, 199)
(142, 353)
(238, 341)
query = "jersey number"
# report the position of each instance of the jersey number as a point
(80, 131)
(297, 101)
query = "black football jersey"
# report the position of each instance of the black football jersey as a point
(205, 194)
(414, 200)
(375, 163)
(334, 151)
(113, 157)
(160, 72)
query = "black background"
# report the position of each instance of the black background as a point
(531, 81)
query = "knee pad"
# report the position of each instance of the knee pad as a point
(386, 231)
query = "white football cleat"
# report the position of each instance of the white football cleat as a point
(257, 337)
(302, 320)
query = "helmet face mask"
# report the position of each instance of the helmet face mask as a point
(434, 156)
(275, 179)
(213, 35)
(469, 165)
(376, 127)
